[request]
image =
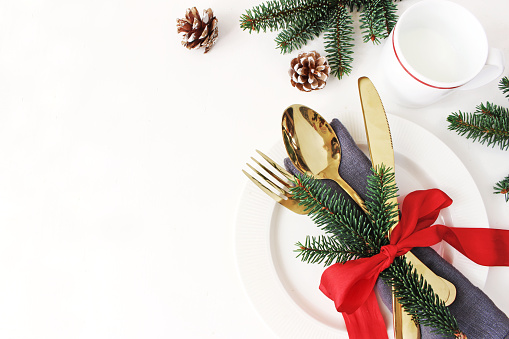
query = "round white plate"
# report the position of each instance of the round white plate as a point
(285, 291)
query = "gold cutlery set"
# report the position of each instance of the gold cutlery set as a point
(314, 149)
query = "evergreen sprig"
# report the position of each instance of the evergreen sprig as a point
(280, 14)
(323, 249)
(502, 187)
(418, 299)
(304, 20)
(489, 125)
(504, 86)
(495, 111)
(378, 18)
(381, 189)
(296, 36)
(335, 215)
(338, 41)
(352, 234)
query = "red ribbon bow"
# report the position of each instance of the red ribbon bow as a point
(351, 284)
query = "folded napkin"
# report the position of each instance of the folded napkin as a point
(477, 316)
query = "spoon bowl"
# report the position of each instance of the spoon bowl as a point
(313, 147)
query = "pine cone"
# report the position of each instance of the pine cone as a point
(309, 71)
(198, 32)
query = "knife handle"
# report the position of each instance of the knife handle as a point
(443, 288)
(404, 326)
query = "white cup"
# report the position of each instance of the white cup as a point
(436, 47)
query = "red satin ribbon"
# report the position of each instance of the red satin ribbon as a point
(351, 284)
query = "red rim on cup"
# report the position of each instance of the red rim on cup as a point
(475, 53)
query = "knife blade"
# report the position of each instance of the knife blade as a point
(378, 132)
(381, 152)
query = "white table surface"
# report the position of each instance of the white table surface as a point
(121, 156)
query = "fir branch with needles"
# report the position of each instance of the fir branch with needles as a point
(419, 300)
(492, 110)
(298, 35)
(301, 21)
(358, 234)
(378, 18)
(338, 42)
(381, 189)
(504, 86)
(280, 14)
(502, 187)
(335, 215)
(489, 125)
(351, 234)
(323, 249)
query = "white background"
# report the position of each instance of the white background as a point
(121, 155)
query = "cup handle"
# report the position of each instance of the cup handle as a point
(493, 68)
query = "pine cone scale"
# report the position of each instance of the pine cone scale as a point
(196, 24)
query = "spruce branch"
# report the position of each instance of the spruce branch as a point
(338, 41)
(335, 215)
(490, 128)
(502, 187)
(418, 298)
(362, 235)
(280, 14)
(323, 249)
(354, 5)
(382, 188)
(378, 18)
(504, 86)
(492, 110)
(294, 37)
(488, 125)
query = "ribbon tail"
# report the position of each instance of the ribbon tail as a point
(349, 284)
(485, 246)
(366, 321)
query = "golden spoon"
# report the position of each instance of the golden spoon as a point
(313, 147)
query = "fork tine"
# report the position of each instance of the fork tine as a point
(284, 197)
(283, 171)
(267, 180)
(281, 181)
(271, 194)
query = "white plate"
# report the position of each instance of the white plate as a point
(285, 291)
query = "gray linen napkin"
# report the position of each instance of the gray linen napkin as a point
(477, 316)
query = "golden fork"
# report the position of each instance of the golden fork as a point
(278, 191)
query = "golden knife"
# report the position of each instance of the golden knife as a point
(381, 152)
